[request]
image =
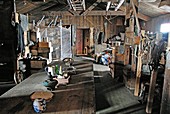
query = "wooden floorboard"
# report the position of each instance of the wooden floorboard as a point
(77, 97)
(112, 97)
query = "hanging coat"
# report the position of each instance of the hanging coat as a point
(20, 36)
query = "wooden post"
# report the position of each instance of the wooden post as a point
(165, 103)
(91, 37)
(152, 87)
(139, 63)
(126, 54)
(112, 66)
(136, 16)
(105, 31)
(133, 60)
(26, 42)
(151, 91)
(138, 74)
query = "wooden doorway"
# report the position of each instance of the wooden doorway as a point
(82, 41)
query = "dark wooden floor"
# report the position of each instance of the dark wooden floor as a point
(78, 97)
(112, 97)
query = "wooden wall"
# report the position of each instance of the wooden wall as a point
(154, 24)
(97, 22)
(79, 21)
(114, 23)
(84, 21)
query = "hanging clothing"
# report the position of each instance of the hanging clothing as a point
(24, 22)
(20, 36)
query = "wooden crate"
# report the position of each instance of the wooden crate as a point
(43, 44)
(45, 55)
(34, 52)
(43, 50)
(37, 63)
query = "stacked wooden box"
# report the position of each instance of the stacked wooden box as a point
(40, 49)
(43, 49)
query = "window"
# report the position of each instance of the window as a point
(165, 27)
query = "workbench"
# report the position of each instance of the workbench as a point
(77, 97)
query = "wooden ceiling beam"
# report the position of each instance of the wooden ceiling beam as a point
(26, 9)
(91, 13)
(119, 5)
(84, 6)
(41, 7)
(140, 16)
(121, 13)
(122, 8)
(71, 5)
(91, 7)
(143, 17)
(23, 7)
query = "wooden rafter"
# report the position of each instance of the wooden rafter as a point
(84, 6)
(140, 16)
(119, 5)
(41, 7)
(25, 7)
(108, 5)
(91, 7)
(122, 8)
(71, 5)
(73, 12)
(111, 13)
(143, 17)
(121, 13)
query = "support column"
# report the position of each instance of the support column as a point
(105, 31)
(151, 91)
(91, 37)
(138, 74)
(165, 103)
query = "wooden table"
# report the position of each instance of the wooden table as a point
(78, 97)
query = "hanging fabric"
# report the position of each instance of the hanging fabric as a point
(20, 36)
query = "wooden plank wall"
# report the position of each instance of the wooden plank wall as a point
(84, 22)
(154, 24)
(96, 22)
